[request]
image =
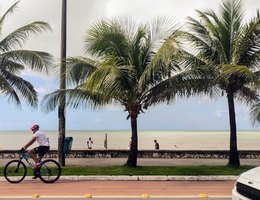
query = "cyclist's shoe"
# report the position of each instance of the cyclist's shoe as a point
(37, 165)
(36, 174)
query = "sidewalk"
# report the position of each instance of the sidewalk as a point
(148, 162)
(155, 162)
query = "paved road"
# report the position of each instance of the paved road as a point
(135, 189)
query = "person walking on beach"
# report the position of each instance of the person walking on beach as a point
(43, 147)
(89, 143)
(156, 144)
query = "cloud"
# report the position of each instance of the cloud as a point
(98, 119)
(204, 99)
(220, 113)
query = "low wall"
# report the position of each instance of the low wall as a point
(118, 153)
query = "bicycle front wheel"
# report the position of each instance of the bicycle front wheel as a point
(15, 171)
(50, 171)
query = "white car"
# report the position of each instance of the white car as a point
(247, 186)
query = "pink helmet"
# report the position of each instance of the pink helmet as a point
(35, 127)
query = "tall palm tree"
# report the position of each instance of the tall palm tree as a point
(62, 101)
(13, 60)
(130, 61)
(226, 47)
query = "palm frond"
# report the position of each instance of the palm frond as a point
(8, 12)
(78, 69)
(161, 28)
(160, 52)
(185, 83)
(163, 63)
(106, 38)
(232, 14)
(248, 45)
(7, 90)
(202, 41)
(239, 71)
(19, 36)
(75, 98)
(110, 79)
(255, 113)
(34, 60)
(247, 95)
(18, 89)
(10, 66)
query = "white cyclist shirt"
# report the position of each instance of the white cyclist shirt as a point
(41, 138)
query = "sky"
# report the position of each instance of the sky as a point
(196, 113)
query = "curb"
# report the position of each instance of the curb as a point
(142, 178)
(150, 178)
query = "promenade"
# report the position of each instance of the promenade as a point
(156, 162)
(149, 162)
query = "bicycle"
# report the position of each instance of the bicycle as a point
(48, 171)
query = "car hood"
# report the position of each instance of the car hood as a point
(252, 175)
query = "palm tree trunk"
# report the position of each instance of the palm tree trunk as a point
(62, 101)
(233, 153)
(132, 157)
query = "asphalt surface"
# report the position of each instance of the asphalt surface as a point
(117, 189)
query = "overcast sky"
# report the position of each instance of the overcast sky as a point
(200, 113)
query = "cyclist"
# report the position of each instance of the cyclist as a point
(43, 147)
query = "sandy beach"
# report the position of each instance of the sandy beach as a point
(168, 140)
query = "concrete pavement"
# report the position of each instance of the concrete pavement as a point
(155, 162)
(148, 162)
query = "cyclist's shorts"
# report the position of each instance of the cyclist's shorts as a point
(41, 150)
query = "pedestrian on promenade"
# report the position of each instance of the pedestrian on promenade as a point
(89, 143)
(156, 145)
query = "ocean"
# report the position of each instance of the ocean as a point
(168, 140)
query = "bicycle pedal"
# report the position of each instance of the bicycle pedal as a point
(35, 176)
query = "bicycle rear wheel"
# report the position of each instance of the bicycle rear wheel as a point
(50, 171)
(15, 171)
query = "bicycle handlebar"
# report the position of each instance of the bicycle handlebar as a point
(24, 153)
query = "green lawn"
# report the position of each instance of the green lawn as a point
(152, 170)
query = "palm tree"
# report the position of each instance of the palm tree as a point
(226, 47)
(131, 61)
(62, 102)
(14, 60)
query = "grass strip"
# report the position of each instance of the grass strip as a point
(155, 170)
(150, 170)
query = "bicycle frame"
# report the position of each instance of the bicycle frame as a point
(25, 155)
